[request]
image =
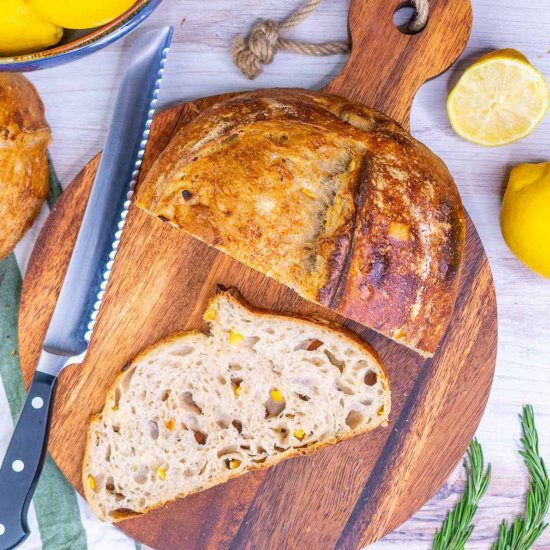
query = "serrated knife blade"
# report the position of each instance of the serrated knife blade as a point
(83, 287)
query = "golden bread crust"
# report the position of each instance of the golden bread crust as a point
(24, 170)
(326, 196)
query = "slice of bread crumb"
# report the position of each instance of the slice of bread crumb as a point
(196, 410)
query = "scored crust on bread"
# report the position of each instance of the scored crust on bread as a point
(198, 409)
(24, 168)
(326, 196)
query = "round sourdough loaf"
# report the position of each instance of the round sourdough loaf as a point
(24, 174)
(325, 195)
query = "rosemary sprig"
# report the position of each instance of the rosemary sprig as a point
(526, 529)
(457, 526)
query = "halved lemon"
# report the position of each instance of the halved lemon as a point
(500, 99)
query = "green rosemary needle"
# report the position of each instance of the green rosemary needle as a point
(526, 529)
(457, 526)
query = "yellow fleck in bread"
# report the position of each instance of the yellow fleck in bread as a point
(174, 423)
(326, 196)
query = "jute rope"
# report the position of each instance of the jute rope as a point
(260, 46)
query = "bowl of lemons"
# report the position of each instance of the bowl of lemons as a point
(35, 34)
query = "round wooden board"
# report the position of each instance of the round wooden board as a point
(344, 496)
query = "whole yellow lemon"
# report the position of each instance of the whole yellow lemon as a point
(525, 215)
(22, 30)
(80, 14)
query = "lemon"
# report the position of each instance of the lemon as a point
(501, 98)
(22, 30)
(525, 215)
(80, 14)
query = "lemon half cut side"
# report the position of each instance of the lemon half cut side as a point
(500, 99)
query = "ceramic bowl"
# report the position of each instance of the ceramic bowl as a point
(77, 44)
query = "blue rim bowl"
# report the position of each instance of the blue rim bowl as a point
(80, 46)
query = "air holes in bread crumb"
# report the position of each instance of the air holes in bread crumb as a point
(117, 398)
(227, 451)
(282, 433)
(182, 351)
(354, 419)
(238, 425)
(250, 341)
(236, 386)
(314, 361)
(336, 362)
(140, 475)
(153, 429)
(303, 397)
(200, 437)
(344, 387)
(165, 395)
(110, 484)
(370, 378)
(311, 344)
(127, 378)
(275, 405)
(314, 344)
(223, 423)
(188, 404)
(235, 367)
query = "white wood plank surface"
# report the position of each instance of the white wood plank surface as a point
(79, 99)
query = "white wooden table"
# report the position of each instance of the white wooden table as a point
(79, 99)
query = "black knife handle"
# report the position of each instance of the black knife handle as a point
(24, 460)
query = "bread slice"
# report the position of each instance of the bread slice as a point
(198, 409)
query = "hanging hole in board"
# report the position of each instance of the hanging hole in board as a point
(405, 18)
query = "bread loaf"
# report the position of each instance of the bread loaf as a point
(326, 196)
(196, 410)
(24, 170)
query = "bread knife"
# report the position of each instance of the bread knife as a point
(83, 287)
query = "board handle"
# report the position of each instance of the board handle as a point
(386, 67)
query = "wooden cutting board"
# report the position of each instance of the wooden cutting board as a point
(343, 496)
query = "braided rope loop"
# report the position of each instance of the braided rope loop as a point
(259, 47)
